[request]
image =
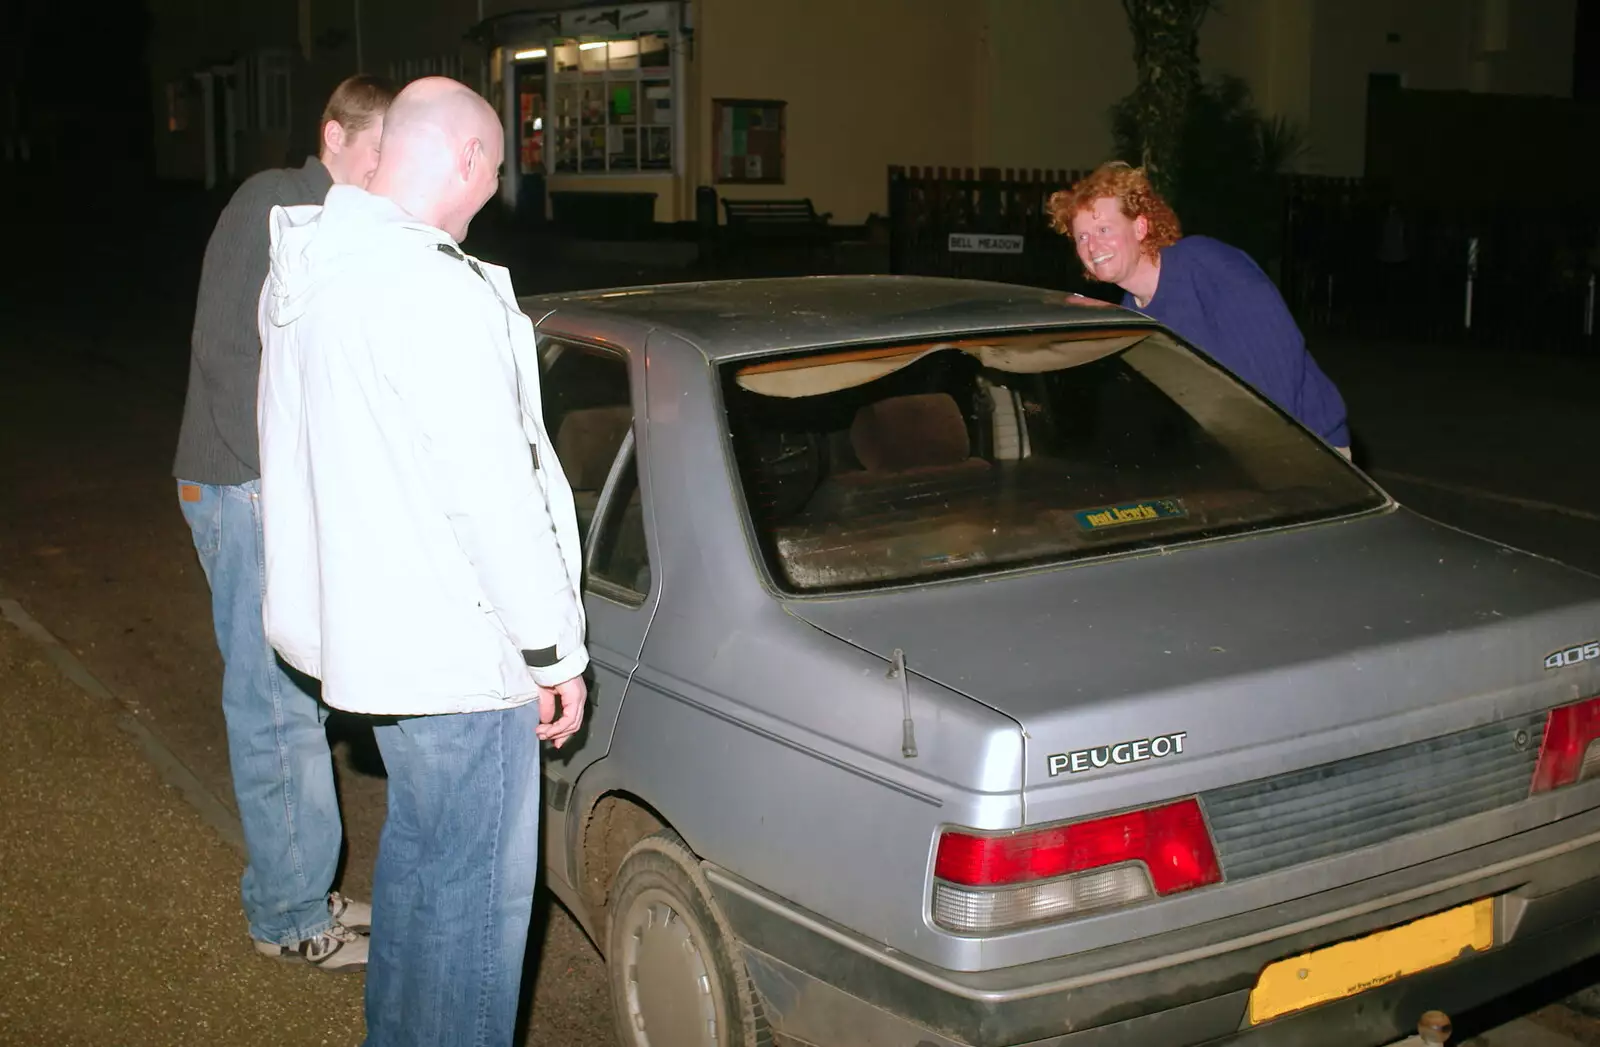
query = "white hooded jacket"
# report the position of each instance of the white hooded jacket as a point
(421, 545)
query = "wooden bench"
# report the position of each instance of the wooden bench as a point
(785, 221)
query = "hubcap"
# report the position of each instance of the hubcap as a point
(668, 979)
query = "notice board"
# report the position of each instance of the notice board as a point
(748, 140)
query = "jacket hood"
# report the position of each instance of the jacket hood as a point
(351, 230)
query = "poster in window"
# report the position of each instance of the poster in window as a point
(659, 109)
(748, 140)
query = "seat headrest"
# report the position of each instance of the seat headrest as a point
(920, 431)
(587, 443)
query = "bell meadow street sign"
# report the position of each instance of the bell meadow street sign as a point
(986, 243)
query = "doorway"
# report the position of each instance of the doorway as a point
(530, 95)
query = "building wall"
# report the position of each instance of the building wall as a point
(1045, 73)
(330, 44)
(868, 83)
(1056, 67)
(188, 35)
(1268, 43)
(1520, 48)
(394, 32)
(1423, 41)
(338, 38)
(1538, 59)
(1285, 86)
(326, 37)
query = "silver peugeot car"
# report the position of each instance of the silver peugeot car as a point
(983, 665)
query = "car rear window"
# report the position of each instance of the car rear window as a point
(879, 465)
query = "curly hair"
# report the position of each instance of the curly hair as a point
(1133, 193)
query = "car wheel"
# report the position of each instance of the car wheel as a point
(676, 976)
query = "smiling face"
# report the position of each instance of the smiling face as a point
(1109, 243)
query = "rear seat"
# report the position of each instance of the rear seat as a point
(587, 444)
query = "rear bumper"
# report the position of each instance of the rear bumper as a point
(825, 986)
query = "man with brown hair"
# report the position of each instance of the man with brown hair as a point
(277, 744)
(1210, 293)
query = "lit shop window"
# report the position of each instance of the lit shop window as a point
(611, 104)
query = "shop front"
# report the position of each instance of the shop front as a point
(591, 102)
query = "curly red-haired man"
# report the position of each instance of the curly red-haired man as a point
(1210, 293)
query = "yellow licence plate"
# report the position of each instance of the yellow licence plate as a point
(1366, 963)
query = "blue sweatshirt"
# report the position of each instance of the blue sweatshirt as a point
(1217, 298)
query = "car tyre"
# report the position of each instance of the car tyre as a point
(677, 979)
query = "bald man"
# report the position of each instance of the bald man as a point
(422, 552)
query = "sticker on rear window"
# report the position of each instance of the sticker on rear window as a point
(946, 560)
(1130, 513)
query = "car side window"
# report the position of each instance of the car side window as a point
(588, 410)
(619, 557)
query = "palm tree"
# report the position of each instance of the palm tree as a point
(1230, 157)
(1166, 52)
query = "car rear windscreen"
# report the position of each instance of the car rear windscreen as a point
(876, 465)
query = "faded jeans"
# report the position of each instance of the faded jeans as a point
(453, 890)
(277, 740)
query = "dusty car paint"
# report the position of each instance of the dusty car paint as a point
(767, 728)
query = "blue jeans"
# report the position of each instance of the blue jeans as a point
(277, 739)
(453, 890)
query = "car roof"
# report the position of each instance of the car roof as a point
(735, 318)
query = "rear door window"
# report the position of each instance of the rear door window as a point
(588, 410)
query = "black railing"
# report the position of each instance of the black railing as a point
(1350, 259)
(982, 225)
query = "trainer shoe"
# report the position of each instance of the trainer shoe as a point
(336, 949)
(353, 914)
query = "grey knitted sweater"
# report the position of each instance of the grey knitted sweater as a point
(218, 442)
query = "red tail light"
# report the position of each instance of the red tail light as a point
(1172, 842)
(990, 883)
(1569, 753)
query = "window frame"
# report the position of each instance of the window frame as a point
(269, 92)
(563, 85)
(764, 556)
(179, 96)
(610, 502)
(549, 349)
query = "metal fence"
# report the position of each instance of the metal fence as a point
(1518, 276)
(1351, 258)
(982, 225)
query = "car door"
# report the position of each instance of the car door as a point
(589, 398)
